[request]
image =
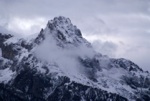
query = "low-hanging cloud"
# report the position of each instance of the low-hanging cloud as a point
(67, 59)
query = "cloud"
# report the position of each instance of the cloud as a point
(65, 58)
(107, 47)
(111, 25)
(138, 54)
(26, 26)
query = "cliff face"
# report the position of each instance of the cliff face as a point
(60, 65)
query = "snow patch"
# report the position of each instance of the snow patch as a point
(12, 40)
(6, 75)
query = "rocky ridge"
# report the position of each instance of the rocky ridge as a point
(60, 65)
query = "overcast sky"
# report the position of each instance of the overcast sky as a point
(118, 28)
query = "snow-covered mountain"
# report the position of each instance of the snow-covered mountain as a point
(60, 65)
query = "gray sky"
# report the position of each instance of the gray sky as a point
(118, 28)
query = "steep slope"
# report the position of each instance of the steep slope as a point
(60, 65)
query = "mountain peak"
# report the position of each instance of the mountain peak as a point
(64, 25)
(60, 20)
(60, 62)
(63, 32)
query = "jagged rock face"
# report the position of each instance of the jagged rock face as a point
(30, 86)
(60, 65)
(63, 31)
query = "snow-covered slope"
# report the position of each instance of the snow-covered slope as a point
(60, 65)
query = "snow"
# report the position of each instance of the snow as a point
(66, 58)
(111, 81)
(12, 40)
(24, 53)
(6, 75)
(67, 63)
(64, 61)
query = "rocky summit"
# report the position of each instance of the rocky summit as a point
(60, 65)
